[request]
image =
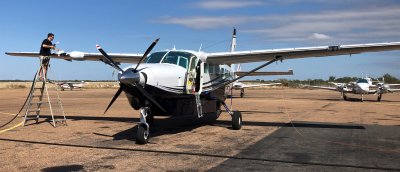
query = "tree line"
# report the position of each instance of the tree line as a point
(296, 83)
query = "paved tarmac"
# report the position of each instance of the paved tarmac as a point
(284, 130)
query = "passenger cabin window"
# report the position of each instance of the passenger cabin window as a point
(178, 58)
(155, 57)
(211, 69)
(205, 68)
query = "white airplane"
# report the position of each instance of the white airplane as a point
(71, 85)
(183, 82)
(362, 87)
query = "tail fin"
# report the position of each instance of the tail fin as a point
(235, 67)
(233, 43)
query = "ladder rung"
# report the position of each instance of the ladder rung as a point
(38, 88)
(38, 102)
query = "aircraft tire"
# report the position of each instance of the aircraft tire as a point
(344, 97)
(379, 97)
(237, 120)
(141, 136)
(241, 93)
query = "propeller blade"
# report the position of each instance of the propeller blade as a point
(109, 59)
(147, 52)
(148, 96)
(121, 88)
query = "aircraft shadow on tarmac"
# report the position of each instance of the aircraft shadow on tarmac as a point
(175, 125)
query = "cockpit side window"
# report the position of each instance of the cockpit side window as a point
(155, 57)
(362, 81)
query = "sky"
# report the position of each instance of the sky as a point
(129, 26)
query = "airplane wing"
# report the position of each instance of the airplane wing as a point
(394, 90)
(392, 85)
(259, 85)
(337, 83)
(294, 53)
(241, 73)
(81, 56)
(321, 87)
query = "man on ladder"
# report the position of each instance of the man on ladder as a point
(39, 92)
(45, 52)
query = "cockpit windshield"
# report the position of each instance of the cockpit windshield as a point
(178, 58)
(173, 57)
(155, 57)
(362, 81)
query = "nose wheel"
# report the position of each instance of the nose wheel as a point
(143, 131)
(379, 97)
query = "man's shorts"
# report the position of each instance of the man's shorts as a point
(45, 60)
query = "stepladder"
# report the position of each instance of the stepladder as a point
(44, 99)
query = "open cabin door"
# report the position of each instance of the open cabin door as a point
(194, 76)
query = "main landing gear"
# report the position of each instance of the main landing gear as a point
(241, 93)
(236, 117)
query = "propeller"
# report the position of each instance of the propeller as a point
(108, 58)
(130, 77)
(121, 88)
(147, 52)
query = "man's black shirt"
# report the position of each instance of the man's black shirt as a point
(45, 51)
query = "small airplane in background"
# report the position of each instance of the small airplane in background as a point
(70, 85)
(242, 86)
(193, 83)
(362, 86)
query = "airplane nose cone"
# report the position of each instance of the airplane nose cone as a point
(129, 77)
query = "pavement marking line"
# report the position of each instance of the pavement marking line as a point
(7, 113)
(15, 126)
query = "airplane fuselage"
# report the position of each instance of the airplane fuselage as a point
(174, 77)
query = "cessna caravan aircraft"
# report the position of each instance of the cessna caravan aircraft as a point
(70, 85)
(362, 87)
(184, 82)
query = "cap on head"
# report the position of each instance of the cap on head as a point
(50, 34)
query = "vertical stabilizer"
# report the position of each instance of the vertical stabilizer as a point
(235, 67)
(233, 43)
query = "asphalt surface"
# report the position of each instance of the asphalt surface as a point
(283, 130)
(309, 146)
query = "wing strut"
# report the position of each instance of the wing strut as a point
(248, 73)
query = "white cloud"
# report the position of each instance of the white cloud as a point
(226, 4)
(319, 36)
(348, 26)
(205, 22)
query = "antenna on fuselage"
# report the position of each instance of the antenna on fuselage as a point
(201, 45)
(174, 47)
